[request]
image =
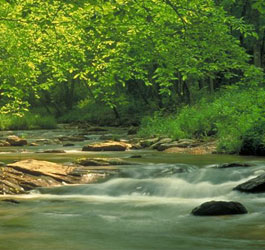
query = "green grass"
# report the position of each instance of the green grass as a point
(235, 117)
(27, 121)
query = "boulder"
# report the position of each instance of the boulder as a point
(255, 185)
(101, 162)
(14, 140)
(107, 146)
(214, 208)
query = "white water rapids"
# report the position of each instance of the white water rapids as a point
(145, 207)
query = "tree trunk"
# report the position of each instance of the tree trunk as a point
(186, 91)
(211, 85)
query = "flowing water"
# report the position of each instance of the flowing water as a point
(145, 206)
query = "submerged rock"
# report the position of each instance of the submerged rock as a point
(53, 151)
(76, 138)
(233, 165)
(107, 146)
(14, 140)
(11, 201)
(68, 145)
(255, 185)
(213, 208)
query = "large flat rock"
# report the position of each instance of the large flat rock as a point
(23, 176)
(107, 146)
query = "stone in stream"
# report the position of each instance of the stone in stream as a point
(11, 201)
(4, 143)
(14, 140)
(76, 138)
(101, 162)
(68, 145)
(52, 151)
(23, 176)
(136, 156)
(214, 208)
(107, 146)
(233, 165)
(255, 185)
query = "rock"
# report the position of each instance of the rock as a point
(255, 185)
(149, 142)
(213, 208)
(14, 140)
(44, 141)
(101, 162)
(68, 145)
(233, 165)
(184, 143)
(4, 143)
(52, 151)
(164, 146)
(161, 141)
(203, 148)
(23, 176)
(72, 138)
(107, 146)
(136, 156)
(11, 201)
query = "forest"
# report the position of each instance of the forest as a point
(181, 69)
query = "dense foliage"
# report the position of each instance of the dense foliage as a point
(82, 59)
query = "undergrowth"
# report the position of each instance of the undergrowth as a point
(26, 121)
(235, 117)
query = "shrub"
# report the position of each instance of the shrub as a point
(26, 121)
(235, 117)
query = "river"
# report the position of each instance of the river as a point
(146, 206)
